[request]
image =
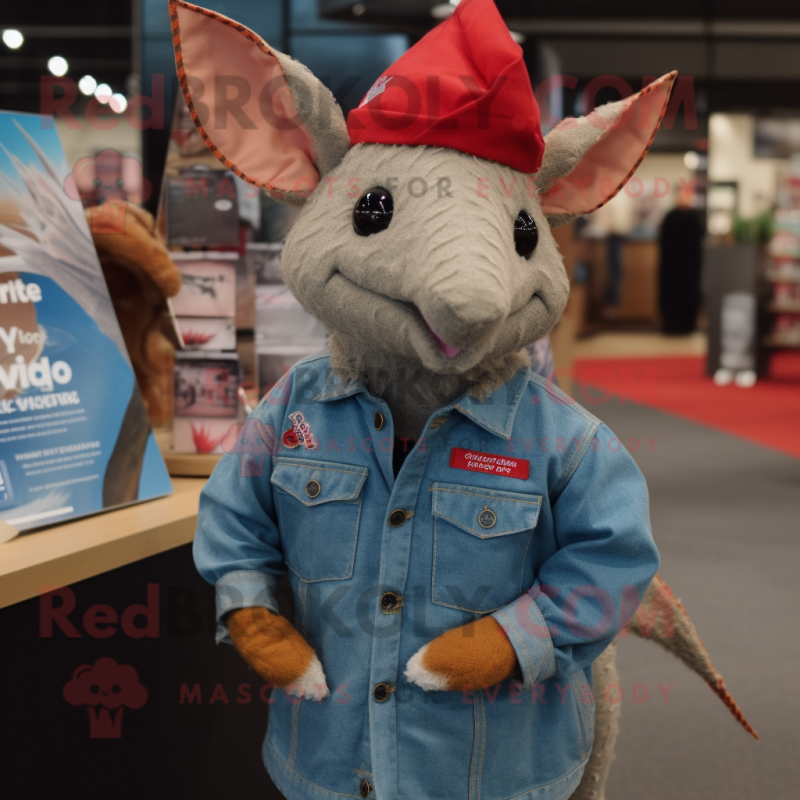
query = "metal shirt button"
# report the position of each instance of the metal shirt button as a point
(381, 691)
(365, 787)
(397, 517)
(313, 489)
(378, 420)
(389, 601)
(487, 518)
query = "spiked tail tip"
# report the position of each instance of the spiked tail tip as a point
(662, 618)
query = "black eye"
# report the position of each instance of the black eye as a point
(97, 182)
(526, 234)
(373, 212)
(119, 183)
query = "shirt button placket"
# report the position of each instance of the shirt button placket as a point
(386, 668)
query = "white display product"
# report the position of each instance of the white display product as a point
(285, 331)
(207, 333)
(206, 384)
(281, 322)
(201, 435)
(209, 284)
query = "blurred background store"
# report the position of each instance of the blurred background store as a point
(682, 329)
(726, 154)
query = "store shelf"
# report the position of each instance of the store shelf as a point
(74, 551)
(773, 277)
(776, 341)
(784, 308)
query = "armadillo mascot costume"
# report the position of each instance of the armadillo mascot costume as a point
(463, 541)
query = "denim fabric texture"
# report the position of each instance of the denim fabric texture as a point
(560, 558)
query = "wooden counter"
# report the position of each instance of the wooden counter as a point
(638, 297)
(74, 551)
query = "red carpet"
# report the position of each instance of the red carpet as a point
(767, 414)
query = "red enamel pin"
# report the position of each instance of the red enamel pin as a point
(299, 433)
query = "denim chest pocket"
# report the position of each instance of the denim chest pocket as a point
(480, 541)
(319, 506)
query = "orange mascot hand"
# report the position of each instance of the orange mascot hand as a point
(271, 645)
(474, 655)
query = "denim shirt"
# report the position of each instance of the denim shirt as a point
(522, 505)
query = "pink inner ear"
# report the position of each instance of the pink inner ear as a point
(274, 152)
(606, 167)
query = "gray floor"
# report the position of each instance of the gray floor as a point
(726, 518)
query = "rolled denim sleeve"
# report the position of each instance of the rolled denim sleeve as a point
(243, 589)
(527, 631)
(237, 547)
(584, 593)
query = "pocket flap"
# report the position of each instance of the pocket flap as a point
(485, 512)
(316, 482)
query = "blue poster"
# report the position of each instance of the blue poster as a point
(74, 434)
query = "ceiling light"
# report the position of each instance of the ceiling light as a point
(518, 37)
(87, 84)
(13, 38)
(103, 93)
(442, 11)
(118, 103)
(58, 66)
(358, 9)
(691, 160)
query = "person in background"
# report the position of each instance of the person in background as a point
(613, 222)
(680, 242)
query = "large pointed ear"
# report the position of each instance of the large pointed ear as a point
(263, 115)
(588, 160)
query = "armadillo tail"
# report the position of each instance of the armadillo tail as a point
(662, 618)
(721, 690)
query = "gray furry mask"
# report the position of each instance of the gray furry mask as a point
(446, 284)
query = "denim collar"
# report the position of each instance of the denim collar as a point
(495, 413)
(336, 388)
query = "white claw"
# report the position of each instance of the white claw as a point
(311, 685)
(417, 673)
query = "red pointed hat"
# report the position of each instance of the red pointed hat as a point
(465, 86)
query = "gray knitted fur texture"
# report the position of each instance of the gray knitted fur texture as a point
(606, 728)
(447, 264)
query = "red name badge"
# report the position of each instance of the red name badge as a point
(474, 461)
